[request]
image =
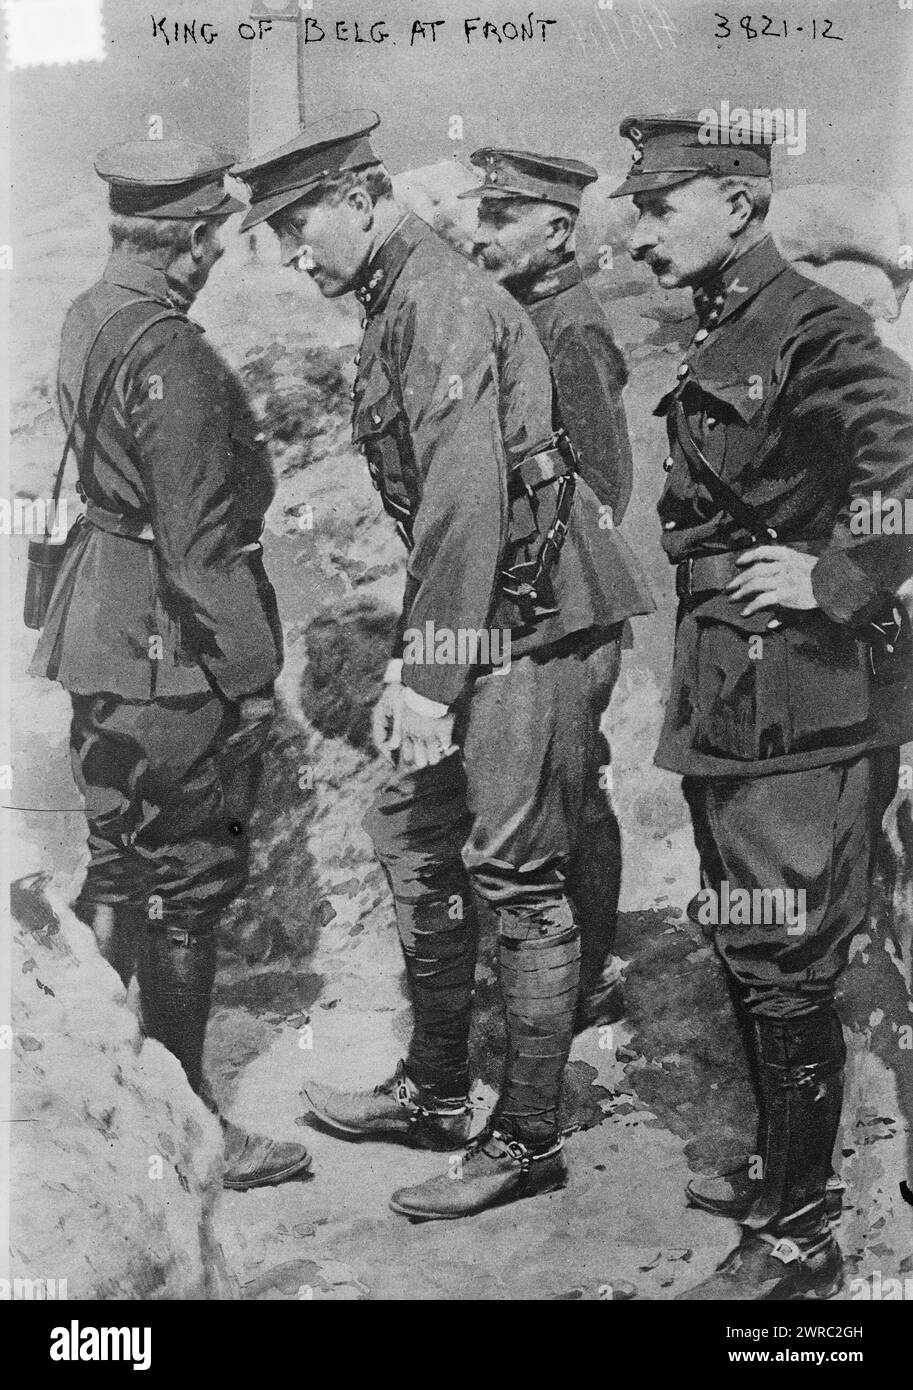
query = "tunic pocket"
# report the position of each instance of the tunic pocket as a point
(829, 682)
(759, 695)
(738, 692)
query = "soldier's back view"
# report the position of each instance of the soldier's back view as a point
(162, 624)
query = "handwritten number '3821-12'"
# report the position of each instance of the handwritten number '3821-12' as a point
(820, 29)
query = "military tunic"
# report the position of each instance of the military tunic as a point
(162, 618)
(788, 744)
(800, 408)
(176, 451)
(453, 389)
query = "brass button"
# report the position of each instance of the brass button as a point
(375, 418)
(683, 370)
(668, 463)
(712, 422)
(357, 358)
(668, 525)
(701, 334)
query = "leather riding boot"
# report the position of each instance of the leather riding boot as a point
(730, 1194)
(176, 971)
(540, 978)
(800, 1064)
(768, 1268)
(787, 1249)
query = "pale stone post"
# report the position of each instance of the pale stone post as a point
(276, 75)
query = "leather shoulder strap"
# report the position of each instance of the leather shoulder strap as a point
(723, 495)
(109, 376)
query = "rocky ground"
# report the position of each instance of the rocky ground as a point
(311, 982)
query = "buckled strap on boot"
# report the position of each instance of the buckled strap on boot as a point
(790, 1252)
(804, 1077)
(200, 934)
(404, 1094)
(499, 1145)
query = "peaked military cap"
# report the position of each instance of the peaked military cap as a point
(673, 149)
(322, 150)
(521, 174)
(167, 179)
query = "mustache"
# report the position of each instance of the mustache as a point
(487, 256)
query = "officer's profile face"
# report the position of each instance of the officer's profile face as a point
(328, 240)
(686, 232)
(519, 239)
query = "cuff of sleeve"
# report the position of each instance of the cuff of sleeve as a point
(843, 591)
(419, 704)
(394, 672)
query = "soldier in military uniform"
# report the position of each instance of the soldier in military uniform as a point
(528, 209)
(453, 413)
(163, 624)
(791, 681)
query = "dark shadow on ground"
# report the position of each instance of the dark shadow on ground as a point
(688, 1064)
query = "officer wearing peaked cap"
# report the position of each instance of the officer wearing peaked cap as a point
(162, 625)
(520, 173)
(791, 679)
(328, 148)
(503, 541)
(671, 150)
(167, 180)
(528, 207)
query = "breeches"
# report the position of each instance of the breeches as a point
(169, 787)
(798, 846)
(506, 818)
